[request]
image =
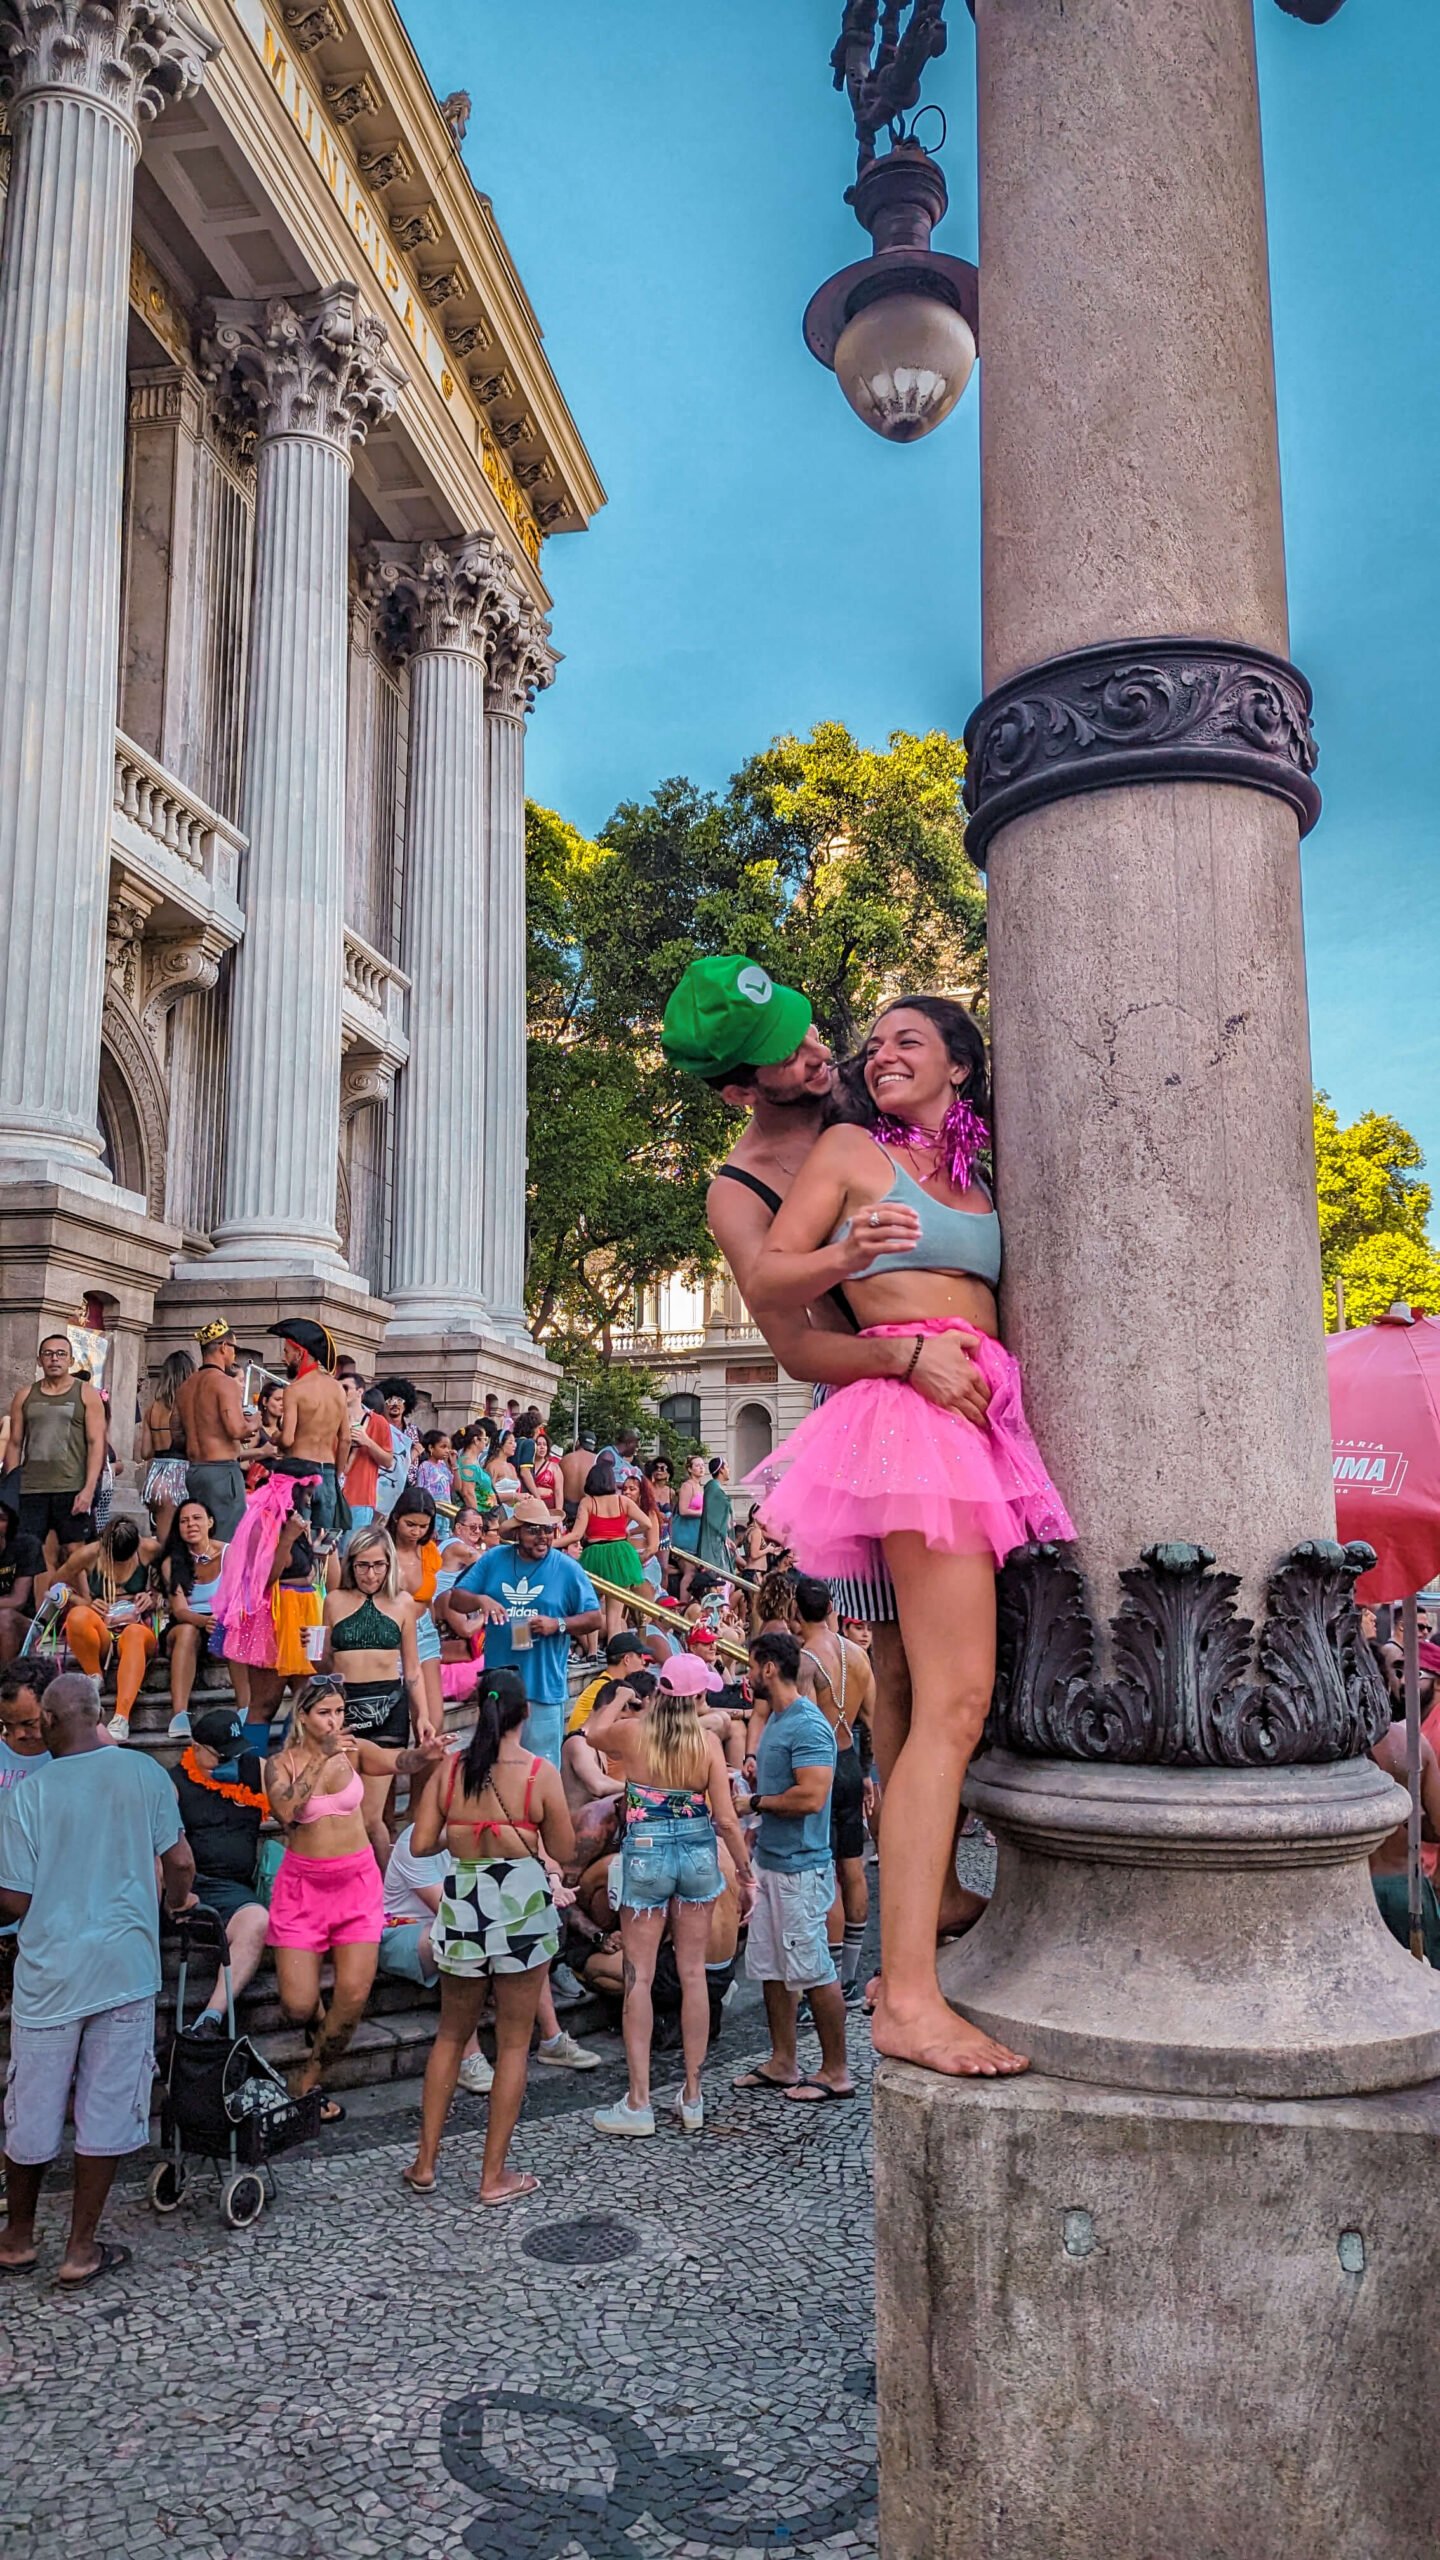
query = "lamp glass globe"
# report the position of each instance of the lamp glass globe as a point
(903, 362)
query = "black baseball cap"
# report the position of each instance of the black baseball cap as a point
(218, 1729)
(627, 1642)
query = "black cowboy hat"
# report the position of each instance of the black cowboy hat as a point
(310, 1337)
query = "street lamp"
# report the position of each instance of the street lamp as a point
(898, 329)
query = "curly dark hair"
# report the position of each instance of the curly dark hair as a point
(963, 1038)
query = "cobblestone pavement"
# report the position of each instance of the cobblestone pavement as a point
(666, 2354)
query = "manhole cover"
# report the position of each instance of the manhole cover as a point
(592, 2240)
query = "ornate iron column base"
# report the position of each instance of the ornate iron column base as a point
(1210, 1932)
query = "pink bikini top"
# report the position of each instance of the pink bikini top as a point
(346, 1799)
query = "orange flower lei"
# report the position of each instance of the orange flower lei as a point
(222, 1786)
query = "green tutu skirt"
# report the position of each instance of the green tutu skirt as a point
(615, 1559)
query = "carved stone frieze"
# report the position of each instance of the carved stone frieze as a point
(389, 166)
(448, 284)
(134, 56)
(1139, 711)
(314, 22)
(1189, 1683)
(469, 337)
(347, 99)
(416, 230)
(316, 365)
(436, 595)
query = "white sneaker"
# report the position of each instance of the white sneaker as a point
(691, 2111)
(477, 2075)
(623, 2118)
(562, 2053)
(118, 1728)
(178, 1728)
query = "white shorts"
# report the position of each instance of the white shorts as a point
(109, 2060)
(787, 1941)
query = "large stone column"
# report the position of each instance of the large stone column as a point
(317, 372)
(523, 662)
(437, 603)
(83, 79)
(1081, 2283)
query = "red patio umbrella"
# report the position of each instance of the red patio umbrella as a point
(1385, 1428)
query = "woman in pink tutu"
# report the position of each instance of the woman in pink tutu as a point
(887, 1207)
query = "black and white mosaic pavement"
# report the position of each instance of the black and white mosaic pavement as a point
(666, 2354)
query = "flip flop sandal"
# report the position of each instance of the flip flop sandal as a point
(19, 2266)
(758, 2080)
(528, 2187)
(418, 2186)
(112, 2255)
(331, 2111)
(821, 2094)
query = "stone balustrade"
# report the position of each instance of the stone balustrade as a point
(169, 832)
(376, 1009)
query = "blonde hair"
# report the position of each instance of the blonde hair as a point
(367, 1542)
(674, 1740)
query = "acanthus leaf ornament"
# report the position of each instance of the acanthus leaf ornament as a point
(1191, 1685)
(315, 364)
(133, 56)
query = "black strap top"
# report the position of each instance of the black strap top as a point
(763, 1191)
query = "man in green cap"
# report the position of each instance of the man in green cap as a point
(754, 1043)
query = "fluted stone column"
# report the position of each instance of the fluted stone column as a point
(436, 602)
(83, 81)
(523, 662)
(317, 372)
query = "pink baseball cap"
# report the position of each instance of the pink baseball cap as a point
(686, 1676)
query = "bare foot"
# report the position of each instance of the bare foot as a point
(933, 2035)
(417, 2183)
(509, 2187)
(959, 1910)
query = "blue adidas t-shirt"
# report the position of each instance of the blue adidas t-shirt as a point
(553, 1588)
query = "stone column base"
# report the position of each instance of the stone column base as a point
(1207, 1931)
(61, 1243)
(201, 1290)
(456, 1371)
(1131, 2327)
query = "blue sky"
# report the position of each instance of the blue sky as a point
(669, 176)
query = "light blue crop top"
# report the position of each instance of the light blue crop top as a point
(965, 1240)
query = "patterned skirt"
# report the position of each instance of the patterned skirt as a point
(496, 1915)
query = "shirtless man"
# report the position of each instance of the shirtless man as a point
(315, 1416)
(575, 1466)
(210, 1424)
(755, 1044)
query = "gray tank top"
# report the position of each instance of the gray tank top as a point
(965, 1240)
(55, 1451)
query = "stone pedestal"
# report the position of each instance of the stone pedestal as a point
(316, 372)
(254, 1304)
(456, 1371)
(1125, 2327)
(85, 81)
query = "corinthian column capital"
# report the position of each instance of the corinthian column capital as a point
(436, 595)
(522, 661)
(314, 365)
(132, 56)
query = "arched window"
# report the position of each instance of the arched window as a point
(754, 1438)
(682, 1413)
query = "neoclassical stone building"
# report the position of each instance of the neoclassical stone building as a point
(279, 447)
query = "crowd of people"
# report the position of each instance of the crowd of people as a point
(683, 1739)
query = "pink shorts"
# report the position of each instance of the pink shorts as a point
(327, 1902)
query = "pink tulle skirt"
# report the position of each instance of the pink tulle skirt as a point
(878, 1457)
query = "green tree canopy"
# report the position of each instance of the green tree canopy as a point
(1373, 1213)
(841, 868)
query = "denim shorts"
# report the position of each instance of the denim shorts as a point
(669, 1862)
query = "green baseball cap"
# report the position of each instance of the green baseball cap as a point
(729, 1013)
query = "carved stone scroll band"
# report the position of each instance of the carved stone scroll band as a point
(1190, 1685)
(1136, 711)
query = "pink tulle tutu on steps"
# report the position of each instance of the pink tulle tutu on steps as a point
(878, 1457)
